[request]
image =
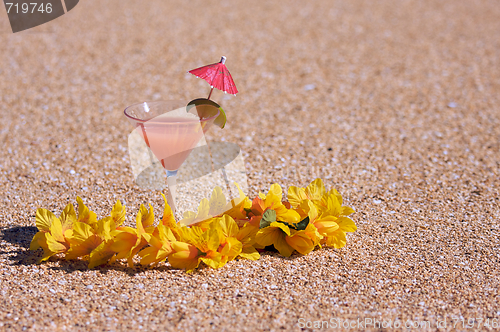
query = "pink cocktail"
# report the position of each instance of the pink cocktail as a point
(171, 130)
(171, 139)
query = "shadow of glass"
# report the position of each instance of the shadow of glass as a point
(202, 160)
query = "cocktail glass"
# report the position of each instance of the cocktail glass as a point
(171, 130)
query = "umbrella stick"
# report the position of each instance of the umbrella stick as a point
(210, 93)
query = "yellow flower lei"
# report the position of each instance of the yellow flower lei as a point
(219, 232)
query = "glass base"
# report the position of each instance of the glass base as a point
(171, 173)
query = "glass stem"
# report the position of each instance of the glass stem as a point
(172, 188)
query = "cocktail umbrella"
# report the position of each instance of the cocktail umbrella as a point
(217, 76)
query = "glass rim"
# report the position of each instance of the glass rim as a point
(159, 102)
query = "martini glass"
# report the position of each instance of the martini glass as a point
(171, 130)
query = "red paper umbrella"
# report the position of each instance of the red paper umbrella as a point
(217, 76)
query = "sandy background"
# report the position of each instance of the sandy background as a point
(394, 103)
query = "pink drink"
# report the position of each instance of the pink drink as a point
(171, 130)
(171, 138)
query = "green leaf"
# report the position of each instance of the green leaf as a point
(300, 226)
(267, 218)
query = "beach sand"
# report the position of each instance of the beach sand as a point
(393, 103)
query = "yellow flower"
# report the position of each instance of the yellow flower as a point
(95, 238)
(219, 231)
(216, 206)
(329, 219)
(124, 239)
(275, 234)
(304, 241)
(338, 238)
(207, 244)
(229, 245)
(53, 232)
(314, 191)
(246, 235)
(273, 200)
(184, 256)
(325, 223)
(103, 253)
(332, 202)
(286, 236)
(84, 214)
(206, 210)
(168, 219)
(160, 246)
(84, 238)
(118, 214)
(128, 241)
(195, 218)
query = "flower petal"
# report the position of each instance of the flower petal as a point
(283, 247)
(281, 226)
(250, 253)
(68, 217)
(44, 219)
(267, 236)
(232, 248)
(54, 245)
(346, 224)
(212, 259)
(347, 211)
(118, 213)
(296, 195)
(100, 255)
(37, 241)
(228, 226)
(301, 242)
(84, 214)
(337, 240)
(149, 255)
(315, 190)
(56, 230)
